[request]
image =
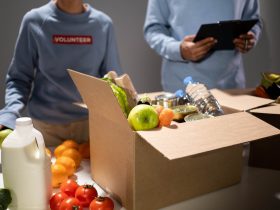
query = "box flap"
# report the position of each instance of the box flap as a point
(239, 102)
(273, 109)
(191, 138)
(90, 88)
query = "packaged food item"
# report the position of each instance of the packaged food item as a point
(196, 116)
(166, 100)
(181, 111)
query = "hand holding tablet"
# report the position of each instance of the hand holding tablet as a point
(225, 32)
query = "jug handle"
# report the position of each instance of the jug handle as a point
(40, 144)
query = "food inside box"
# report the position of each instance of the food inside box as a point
(145, 112)
(172, 155)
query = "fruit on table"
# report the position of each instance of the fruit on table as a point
(143, 117)
(69, 187)
(5, 198)
(70, 203)
(102, 203)
(59, 174)
(68, 163)
(3, 134)
(68, 157)
(84, 150)
(82, 196)
(56, 200)
(74, 154)
(71, 143)
(85, 194)
(59, 150)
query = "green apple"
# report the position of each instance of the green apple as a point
(143, 117)
(3, 134)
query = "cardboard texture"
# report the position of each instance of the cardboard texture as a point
(239, 102)
(185, 160)
(265, 153)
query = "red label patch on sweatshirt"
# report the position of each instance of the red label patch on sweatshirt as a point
(72, 39)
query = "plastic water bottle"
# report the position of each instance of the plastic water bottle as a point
(183, 98)
(202, 98)
(26, 167)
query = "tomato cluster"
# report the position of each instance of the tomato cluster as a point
(76, 197)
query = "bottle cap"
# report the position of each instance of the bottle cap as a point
(179, 93)
(22, 121)
(188, 80)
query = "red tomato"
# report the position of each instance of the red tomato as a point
(85, 194)
(69, 187)
(101, 203)
(71, 203)
(57, 199)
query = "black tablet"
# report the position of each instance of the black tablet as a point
(225, 32)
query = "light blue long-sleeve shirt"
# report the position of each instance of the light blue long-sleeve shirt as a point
(49, 42)
(169, 21)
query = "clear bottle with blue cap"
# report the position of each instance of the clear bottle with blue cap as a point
(182, 97)
(200, 96)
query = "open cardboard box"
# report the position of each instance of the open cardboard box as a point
(264, 153)
(151, 169)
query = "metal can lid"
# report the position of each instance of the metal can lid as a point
(165, 96)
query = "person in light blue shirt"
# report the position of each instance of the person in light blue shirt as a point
(57, 36)
(170, 28)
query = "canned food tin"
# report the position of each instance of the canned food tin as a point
(166, 100)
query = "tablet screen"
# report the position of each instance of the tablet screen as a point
(225, 32)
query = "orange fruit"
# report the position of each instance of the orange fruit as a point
(165, 117)
(71, 143)
(59, 149)
(84, 150)
(74, 154)
(68, 163)
(59, 174)
(158, 108)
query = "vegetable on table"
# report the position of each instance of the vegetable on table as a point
(5, 198)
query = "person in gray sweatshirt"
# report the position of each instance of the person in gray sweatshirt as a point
(59, 35)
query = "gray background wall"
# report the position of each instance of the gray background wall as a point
(137, 59)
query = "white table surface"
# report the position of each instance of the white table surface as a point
(259, 189)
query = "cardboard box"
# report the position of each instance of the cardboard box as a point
(147, 170)
(264, 153)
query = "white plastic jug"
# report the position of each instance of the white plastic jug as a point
(26, 167)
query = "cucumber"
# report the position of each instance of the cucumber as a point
(5, 198)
